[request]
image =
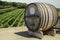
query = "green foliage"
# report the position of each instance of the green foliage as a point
(12, 19)
(6, 10)
(58, 12)
(13, 4)
(2, 7)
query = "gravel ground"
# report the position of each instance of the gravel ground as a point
(20, 33)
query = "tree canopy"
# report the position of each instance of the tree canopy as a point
(13, 4)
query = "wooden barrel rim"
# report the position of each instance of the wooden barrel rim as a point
(25, 17)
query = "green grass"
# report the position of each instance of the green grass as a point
(58, 12)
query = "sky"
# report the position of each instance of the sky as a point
(56, 3)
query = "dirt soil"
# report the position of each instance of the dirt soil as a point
(20, 33)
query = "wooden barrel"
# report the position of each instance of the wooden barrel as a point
(40, 16)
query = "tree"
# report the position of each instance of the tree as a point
(13, 4)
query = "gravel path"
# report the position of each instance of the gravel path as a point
(20, 33)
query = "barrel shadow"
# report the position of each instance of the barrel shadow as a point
(58, 32)
(25, 34)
